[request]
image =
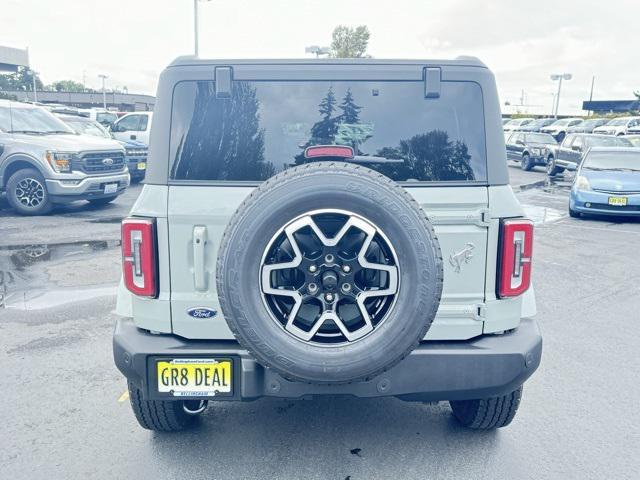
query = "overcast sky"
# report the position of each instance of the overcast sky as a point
(522, 42)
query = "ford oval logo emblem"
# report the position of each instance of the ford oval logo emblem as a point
(202, 312)
(108, 161)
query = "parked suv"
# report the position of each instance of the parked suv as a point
(338, 227)
(558, 129)
(571, 151)
(619, 126)
(535, 125)
(43, 162)
(587, 126)
(517, 124)
(531, 149)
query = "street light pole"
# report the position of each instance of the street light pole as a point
(559, 77)
(195, 26)
(104, 93)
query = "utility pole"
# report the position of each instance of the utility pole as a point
(35, 90)
(593, 80)
(104, 93)
(559, 77)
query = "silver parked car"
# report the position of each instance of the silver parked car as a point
(43, 162)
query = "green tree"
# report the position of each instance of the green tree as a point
(66, 86)
(348, 42)
(350, 111)
(323, 131)
(21, 80)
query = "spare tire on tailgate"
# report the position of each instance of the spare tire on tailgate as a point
(329, 273)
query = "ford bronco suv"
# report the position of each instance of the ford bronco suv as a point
(326, 227)
(43, 162)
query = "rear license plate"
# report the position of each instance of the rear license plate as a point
(194, 377)
(110, 188)
(142, 165)
(618, 201)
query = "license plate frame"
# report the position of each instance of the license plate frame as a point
(618, 201)
(110, 188)
(154, 378)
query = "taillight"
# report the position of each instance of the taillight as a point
(516, 247)
(139, 266)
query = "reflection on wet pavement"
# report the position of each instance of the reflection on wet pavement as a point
(546, 200)
(37, 276)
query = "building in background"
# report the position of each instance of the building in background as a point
(123, 102)
(603, 107)
(12, 58)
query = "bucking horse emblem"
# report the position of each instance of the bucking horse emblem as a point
(463, 256)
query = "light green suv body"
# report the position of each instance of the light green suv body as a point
(480, 345)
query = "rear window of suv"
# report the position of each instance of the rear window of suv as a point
(266, 127)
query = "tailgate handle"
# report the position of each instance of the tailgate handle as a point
(199, 242)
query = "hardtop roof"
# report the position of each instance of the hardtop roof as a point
(191, 60)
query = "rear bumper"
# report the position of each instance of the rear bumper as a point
(487, 366)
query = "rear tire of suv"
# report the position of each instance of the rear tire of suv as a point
(158, 415)
(487, 413)
(526, 163)
(27, 193)
(321, 344)
(552, 168)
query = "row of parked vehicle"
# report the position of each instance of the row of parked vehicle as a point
(629, 125)
(607, 179)
(536, 148)
(58, 155)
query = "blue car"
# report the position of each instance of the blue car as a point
(607, 183)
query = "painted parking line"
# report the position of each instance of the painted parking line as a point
(124, 397)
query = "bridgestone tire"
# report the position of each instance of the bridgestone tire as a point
(293, 193)
(487, 413)
(158, 415)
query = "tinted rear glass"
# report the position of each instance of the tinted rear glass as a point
(266, 127)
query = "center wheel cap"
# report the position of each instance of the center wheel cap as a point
(330, 280)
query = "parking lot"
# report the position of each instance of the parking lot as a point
(66, 414)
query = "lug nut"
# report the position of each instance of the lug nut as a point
(312, 288)
(328, 297)
(346, 287)
(313, 268)
(346, 268)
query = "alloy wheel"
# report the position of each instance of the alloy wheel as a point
(30, 192)
(329, 277)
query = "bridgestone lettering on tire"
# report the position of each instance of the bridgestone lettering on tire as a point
(329, 273)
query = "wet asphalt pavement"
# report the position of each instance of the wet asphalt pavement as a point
(64, 415)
